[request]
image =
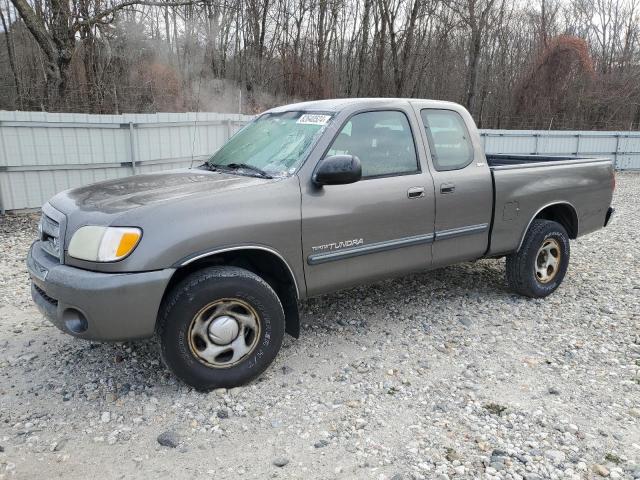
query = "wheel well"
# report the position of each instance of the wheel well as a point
(268, 266)
(564, 214)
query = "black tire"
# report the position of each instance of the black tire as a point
(188, 298)
(521, 270)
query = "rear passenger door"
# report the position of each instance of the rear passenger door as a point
(463, 186)
(378, 226)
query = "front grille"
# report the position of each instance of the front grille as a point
(44, 295)
(50, 236)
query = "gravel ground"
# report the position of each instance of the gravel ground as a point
(444, 374)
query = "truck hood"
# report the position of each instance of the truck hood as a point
(120, 195)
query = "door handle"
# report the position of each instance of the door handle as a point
(447, 188)
(415, 192)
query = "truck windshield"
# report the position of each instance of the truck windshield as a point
(275, 143)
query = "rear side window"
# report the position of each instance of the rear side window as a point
(448, 137)
(382, 140)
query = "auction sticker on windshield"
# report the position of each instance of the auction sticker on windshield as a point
(313, 119)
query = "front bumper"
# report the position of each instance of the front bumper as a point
(95, 305)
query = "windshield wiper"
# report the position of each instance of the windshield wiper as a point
(245, 166)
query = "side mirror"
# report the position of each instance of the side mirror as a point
(338, 170)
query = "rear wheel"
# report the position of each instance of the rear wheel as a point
(220, 327)
(538, 268)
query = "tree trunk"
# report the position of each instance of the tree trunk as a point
(263, 30)
(322, 5)
(12, 57)
(543, 23)
(167, 28)
(408, 45)
(472, 72)
(380, 58)
(390, 24)
(363, 48)
(64, 40)
(176, 46)
(636, 120)
(57, 46)
(213, 29)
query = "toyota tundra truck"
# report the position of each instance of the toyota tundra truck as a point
(306, 199)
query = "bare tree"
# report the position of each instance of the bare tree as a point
(510, 63)
(11, 53)
(56, 36)
(476, 15)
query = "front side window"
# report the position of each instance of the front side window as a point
(448, 137)
(276, 143)
(381, 140)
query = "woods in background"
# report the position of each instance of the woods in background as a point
(514, 64)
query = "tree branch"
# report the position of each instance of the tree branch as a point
(129, 3)
(37, 29)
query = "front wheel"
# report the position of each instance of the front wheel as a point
(539, 266)
(220, 327)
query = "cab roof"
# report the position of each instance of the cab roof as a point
(339, 104)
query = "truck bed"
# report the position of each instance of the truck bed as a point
(525, 184)
(495, 160)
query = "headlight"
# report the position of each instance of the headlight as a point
(104, 244)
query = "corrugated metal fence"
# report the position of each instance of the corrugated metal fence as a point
(622, 147)
(44, 153)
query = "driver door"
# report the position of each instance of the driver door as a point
(379, 226)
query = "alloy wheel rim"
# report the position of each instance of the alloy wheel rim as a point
(548, 260)
(224, 332)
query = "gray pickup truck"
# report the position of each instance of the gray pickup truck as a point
(306, 199)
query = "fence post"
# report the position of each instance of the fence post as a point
(2, 211)
(577, 145)
(535, 148)
(3, 168)
(228, 122)
(132, 148)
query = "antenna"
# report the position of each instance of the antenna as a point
(548, 137)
